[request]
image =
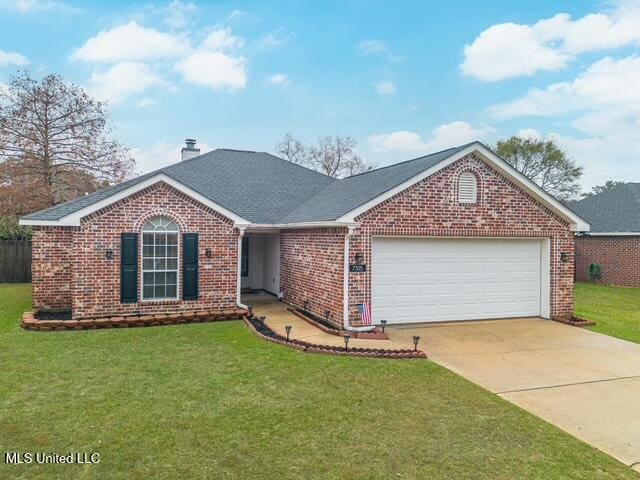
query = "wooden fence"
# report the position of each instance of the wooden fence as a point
(15, 261)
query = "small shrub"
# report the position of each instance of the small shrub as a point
(595, 272)
(10, 230)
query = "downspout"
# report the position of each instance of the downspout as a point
(239, 303)
(345, 292)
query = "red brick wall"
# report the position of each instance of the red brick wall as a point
(312, 269)
(618, 256)
(51, 267)
(431, 208)
(94, 280)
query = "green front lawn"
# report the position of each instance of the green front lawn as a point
(616, 310)
(212, 401)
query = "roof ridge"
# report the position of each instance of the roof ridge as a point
(300, 166)
(411, 160)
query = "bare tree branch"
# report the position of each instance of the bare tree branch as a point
(55, 138)
(334, 156)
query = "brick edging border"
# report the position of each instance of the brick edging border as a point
(334, 350)
(29, 322)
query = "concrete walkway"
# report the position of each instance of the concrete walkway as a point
(278, 317)
(583, 382)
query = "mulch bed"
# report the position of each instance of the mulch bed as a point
(259, 328)
(575, 321)
(57, 321)
(53, 315)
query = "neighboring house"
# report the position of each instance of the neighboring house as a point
(614, 239)
(455, 235)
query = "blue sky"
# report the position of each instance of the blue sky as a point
(403, 80)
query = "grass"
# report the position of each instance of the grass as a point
(212, 401)
(616, 310)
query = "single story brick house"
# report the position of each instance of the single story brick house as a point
(614, 239)
(454, 235)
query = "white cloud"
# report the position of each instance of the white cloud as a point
(508, 50)
(606, 84)
(491, 57)
(145, 103)
(4, 89)
(12, 58)
(279, 79)
(237, 13)
(400, 141)
(377, 47)
(214, 70)
(32, 6)
(444, 136)
(275, 39)
(178, 14)
(131, 42)
(222, 39)
(160, 154)
(385, 88)
(122, 80)
(212, 66)
(602, 105)
(611, 157)
(457, 133)
(530, 133)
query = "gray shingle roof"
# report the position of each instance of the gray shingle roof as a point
(349, 193)
(615, 210)
(257, 186)
(263, 188)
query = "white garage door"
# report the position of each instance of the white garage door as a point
(435, 280)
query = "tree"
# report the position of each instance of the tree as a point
(544, 162)
(55, 143)
(608, 185)
(334, 156)
(292, 149)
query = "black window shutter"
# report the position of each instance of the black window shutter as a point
(129, 268)
(190, 266)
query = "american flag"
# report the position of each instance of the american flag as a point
(365, 313)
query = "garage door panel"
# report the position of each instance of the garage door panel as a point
(425, 280)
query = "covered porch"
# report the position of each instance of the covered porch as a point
(260, 263)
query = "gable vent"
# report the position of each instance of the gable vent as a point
(467, 188)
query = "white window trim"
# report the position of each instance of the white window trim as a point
(142, 270)
(474, 178)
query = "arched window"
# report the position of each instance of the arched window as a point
(467, 188)
(160, 259)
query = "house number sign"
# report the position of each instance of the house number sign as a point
(357, 268)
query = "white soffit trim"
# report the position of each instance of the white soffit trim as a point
(577, 223)
(73, 219)
(298, 225)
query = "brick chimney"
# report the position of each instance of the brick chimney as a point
(190, 150)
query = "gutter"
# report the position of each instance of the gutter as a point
(345, 288)
(607, 234)
(239, 303)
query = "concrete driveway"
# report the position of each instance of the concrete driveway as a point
(585, 383)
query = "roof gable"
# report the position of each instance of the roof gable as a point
(74, 218)
(493, 160)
